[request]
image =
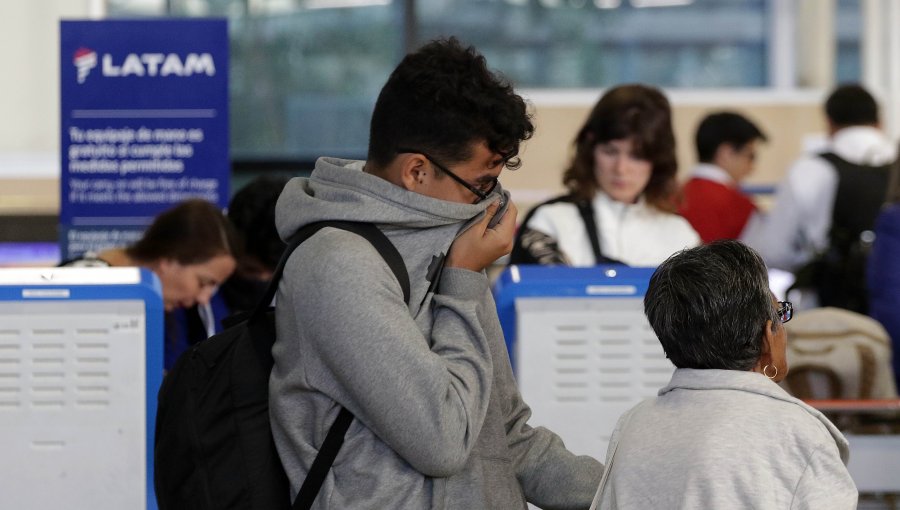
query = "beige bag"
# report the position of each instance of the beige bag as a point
(838, 354)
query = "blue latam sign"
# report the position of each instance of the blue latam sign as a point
(144, 124)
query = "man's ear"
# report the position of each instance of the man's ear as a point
(414, 169)
(724, 154)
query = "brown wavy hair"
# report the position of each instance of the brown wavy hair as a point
(192, 232)
(642, 114)
(441, 99)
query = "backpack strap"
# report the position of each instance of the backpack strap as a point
(385, 248)
(589, 218)
(519, 253)
(323, 461)
(335, 437)
(586, 210)
(367, 230)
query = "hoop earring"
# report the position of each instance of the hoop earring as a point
(765, 371)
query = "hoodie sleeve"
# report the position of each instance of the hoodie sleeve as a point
(426, 398)
(551, 476)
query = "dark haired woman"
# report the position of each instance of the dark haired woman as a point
(621, 181)
(192, 248)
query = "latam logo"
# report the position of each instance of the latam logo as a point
(84, 61)
(144, 64)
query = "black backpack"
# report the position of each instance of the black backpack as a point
(214, 447)
(838, 275)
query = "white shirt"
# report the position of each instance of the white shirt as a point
(797, 225)
(635, 234)
(713, 173)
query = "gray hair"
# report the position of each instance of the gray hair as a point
(709, 306)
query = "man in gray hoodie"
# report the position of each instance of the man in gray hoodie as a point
(439, 422)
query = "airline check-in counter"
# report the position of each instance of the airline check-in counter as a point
(583, 353)
(81, 354)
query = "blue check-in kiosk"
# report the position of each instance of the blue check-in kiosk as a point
(582, 349)
(81, 354)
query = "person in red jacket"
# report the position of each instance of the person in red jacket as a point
(712, 202)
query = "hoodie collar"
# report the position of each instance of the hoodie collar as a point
(338, 189)
(863, 145)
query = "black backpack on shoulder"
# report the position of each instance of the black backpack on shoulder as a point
(838, 274)
(214, 447)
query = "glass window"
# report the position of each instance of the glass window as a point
(303, 80)
(591, 43)
(303, 83)
(848, 28)
(305, 73)
(123, 8)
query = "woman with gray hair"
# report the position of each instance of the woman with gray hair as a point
(722, 433)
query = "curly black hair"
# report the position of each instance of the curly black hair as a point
(443, 98)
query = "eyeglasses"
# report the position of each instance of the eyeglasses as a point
(785, 311)
(482, 192)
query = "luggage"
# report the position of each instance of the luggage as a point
(838, 354)
(214, 447)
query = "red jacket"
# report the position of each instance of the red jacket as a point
(716, 211)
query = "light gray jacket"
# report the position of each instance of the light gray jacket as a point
(439, 421)
(727, 439)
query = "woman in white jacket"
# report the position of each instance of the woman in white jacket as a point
(723, 434)
(621, 181)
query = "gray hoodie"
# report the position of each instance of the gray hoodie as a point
(439, 420)
(727, 439)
